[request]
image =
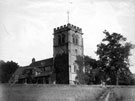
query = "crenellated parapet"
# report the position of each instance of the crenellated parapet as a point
(67, 27)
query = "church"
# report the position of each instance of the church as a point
(62, 67)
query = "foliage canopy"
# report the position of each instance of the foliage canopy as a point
(6, 70)
(114, 54)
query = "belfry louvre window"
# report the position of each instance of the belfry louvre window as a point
(63, 38)
(59, 39)
(76, 41)
(73, 39)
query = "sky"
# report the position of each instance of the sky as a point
(26, 26)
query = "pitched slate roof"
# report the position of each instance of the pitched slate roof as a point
(19, 71)
(16, 75)
(46, 62)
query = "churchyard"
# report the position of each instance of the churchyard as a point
(42, 92)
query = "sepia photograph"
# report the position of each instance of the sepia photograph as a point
(67, 50)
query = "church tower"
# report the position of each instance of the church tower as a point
(67, 45)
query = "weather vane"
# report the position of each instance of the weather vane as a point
(68, 11)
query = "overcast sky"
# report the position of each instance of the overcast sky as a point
(26, 26)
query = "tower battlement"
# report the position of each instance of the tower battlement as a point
(66, 27)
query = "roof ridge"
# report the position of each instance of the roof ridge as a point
(44, 59)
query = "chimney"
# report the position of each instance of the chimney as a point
(33, 60)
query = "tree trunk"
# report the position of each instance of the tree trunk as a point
(117, 78)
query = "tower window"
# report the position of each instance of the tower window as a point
(73, 39)
(76, 41)
(59, 39)
(63, 38)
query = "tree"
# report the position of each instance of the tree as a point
(92, 70)
(114, 54)
(6, 70)
(92, 74)
(90, 61)
(1, 63)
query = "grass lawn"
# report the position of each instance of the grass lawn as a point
(124, 93)
(49, 92)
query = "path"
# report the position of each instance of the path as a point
(106, 95)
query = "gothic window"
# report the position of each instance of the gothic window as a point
(59, 39)
(73, 40)
(63, 38)
(76, 41)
